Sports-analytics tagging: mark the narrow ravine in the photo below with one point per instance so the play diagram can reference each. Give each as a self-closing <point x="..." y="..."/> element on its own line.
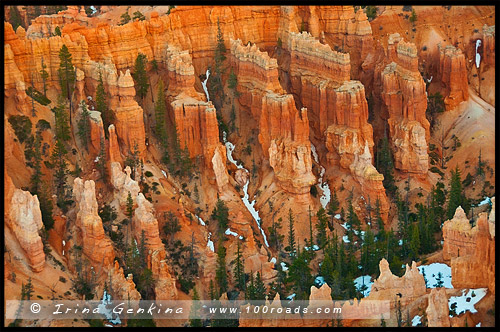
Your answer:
<point x="249" y="205"/>
<point x="229" y="151"/>
<point x="325" y="188"/>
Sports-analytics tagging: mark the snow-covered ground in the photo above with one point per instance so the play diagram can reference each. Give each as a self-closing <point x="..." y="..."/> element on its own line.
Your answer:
<point x="325" y="188"/>
<point x="249" y="205"/>
<point x="345" y="239"/>
<point x="461" y="301"/>
<point x="201" y="221"/>
<point x="478" y="56"/>
<point x="358" y="283"/>
<point x="431" y="273"/>
<point x="273" y="260"/>
<point x="283" y="266"/>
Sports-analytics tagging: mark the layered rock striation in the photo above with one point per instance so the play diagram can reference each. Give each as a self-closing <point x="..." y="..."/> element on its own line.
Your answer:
<point x="123" y="183"/>
<point x="437" y="310"/>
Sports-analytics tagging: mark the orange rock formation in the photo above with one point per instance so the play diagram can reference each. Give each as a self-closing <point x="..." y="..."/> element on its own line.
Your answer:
<point x="96" y="246"/>
<point x="453" y="76"/>
<point x="411" y="285"/>
<point x="23" y="217"/>
<point x="403" y="93"/>
<point x="437" y="311"/>
<point x="471" y="250"/>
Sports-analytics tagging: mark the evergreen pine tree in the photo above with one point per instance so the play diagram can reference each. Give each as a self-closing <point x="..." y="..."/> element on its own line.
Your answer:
<point x="140" y="75"/>
<point x="102" y="105"/>
<point x="101" y="163"/>
<point x="84" y="125"/>
<point x="61" y="170"/>
<point x="291" y="248"/>
<point x="260" y="288"/>
<point x="36" y="178"/>
<point x="321" y="224"/>
<point x="299" y="275"/>
<point x="386" y="166"/>
<point x="456" y="197"/>
<point x="195" y="307"/>
<point x="333" y="206"/>
<point x="67" y="73"/>
<point x="63" y="130"/>
<point x="239" y="273"/>
<point x="44" y="75"/>
<point x="220" y="214"/>
<point x="130" y="206"/>
<point x="220" y="273"/>
<point x="160" y="111"/>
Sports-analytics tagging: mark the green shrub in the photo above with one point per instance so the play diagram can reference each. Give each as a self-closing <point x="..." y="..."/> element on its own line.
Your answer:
<point x="148" y="174"/>
<point x="314" y="190"/>
<point x="42" y="125"/>
<point x="371" y="12"/>
<point x="37" y="96"/>
<point x="436" y="170"/>
<point x="22" y="127"/>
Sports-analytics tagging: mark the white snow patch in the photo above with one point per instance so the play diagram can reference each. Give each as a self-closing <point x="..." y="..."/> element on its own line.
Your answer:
<point x="241" y="237"/>
<point x="96" y="159"/>
<point x="431" y="273"/>
<point x="400" y="242"/>
<point x="204" y="83"/>
<point x="108" y="312"/>
<point x="478" y="324"/>
<point x="201" y="221"/>
<point x="229" y="232"/>
<point x="210" y="243"/>
<point x="290" y="297"/>
<point x="461" y="301"/>
<point x="63" y="252"/>
<point x="416" y="320"/>
<point x="164" y="173"/>
<point x="325" y="188"/>
<point x="345" y="239"/>
<point x="478" y="56"/>
<point x="366" y="280"/>
<point x="486" y="200"/>
<point x="249" y="205"/>
<point x="283" y="266"/>
<point x="319" y="281"/>
<point x="89" y="97"/>
<point x="273" y="260"/>
<point x="344" y="225"/>
<point x="337" y="216"/>
<point x="63" y="242"/>
<point x="315" y="247"/>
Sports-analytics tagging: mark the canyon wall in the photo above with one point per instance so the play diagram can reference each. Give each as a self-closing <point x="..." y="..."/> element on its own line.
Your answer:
<point x="283" y="130"/>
